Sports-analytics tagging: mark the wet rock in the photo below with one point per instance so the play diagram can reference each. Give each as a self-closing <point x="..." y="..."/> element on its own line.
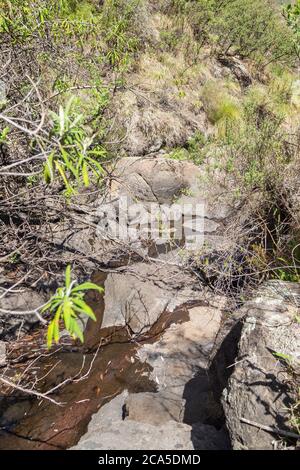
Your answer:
<point x="182" y="413"/>
<point x="258" y="389"/>
<point x="153" y="408"/>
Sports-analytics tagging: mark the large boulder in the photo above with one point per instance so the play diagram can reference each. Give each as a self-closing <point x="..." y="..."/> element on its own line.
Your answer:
<point x="154" y="179"/>
<point x="259" y="388"/>
<point x="138" y="296"/>
<point x="110" y="430"/>
<point x="180" y="363"/>
<point x="182" y="413"/>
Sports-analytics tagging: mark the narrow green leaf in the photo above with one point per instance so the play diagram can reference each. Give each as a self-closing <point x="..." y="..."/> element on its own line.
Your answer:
<point x="68" y="276"/>
<point x="67" y="313"/>
<point x="77" y="331"/>
<point x="85" y="174"/>
<point x="68" y="162"/>
<point x="63" y="175"/>
<point x="47" y="174"/>
<point x="85" y="308"/>
<point x="55" y="304"/>
<point x="46" y="307"/>
<point x="50" y="334"/>
<point x="56" y="330"/>
<point x="87" y="286"/>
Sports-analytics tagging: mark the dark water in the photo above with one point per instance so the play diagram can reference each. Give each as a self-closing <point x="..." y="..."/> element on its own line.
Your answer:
<point x="39" y="424"/>
<point x="31" y="423"/>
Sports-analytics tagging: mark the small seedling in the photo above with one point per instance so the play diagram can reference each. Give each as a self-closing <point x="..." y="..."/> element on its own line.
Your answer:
<point x="66" y="304"/>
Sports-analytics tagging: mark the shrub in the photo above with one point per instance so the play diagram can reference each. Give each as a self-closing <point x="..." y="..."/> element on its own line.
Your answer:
<point x="194" y="149"/>
<point x="292" y="15"/>
<point x="241" y="27"/>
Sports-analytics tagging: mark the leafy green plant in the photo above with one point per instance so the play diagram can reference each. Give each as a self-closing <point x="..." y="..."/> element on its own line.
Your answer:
<point x="23" y="20"/>
<point x="193" y="150"/>
<point x="4" y="134"/>
<point x="67" y="303"/>
<point x="76" y="156"/>
<point x="120" y="37"/>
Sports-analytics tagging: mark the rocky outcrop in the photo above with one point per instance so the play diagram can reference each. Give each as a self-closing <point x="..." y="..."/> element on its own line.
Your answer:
<point x="191" y="363"/>
<point x="259" y="388"/>
<point x="180" y="362"/>
<point x="155" y="179"/>
<point x="91" y="223"/>
<point x="138" y="296"/>
<point x="182" y="413"/>
<point x="108" y="430"/>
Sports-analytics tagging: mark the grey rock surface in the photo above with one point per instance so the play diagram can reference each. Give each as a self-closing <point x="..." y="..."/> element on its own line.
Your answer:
<point x="109" y="431"/>
<point x="258" y="389"/>
<point x="180" y="361"/>
<point x="2" y="353"/>
<point x="12" y="324"/>
<point x="138" y="296"/>
<point x="144" y="181"/>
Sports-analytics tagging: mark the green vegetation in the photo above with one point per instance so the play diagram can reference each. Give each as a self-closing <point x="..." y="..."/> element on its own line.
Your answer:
<point x="85" y="82"/>
<point x="292" y="15"/>
<point x="221" y="107"/>
<point x="239" y="27"/>
<point x="194" y="149"/>
<point x="66" y="304"/>
<point x="291" y="365"/>
<point x="77" y="154"/>
<point x="64" y="110"/>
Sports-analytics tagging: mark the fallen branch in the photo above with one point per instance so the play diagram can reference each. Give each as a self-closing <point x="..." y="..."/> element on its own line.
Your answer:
<point x="280" y="432"/>
<point x="28" y="312"/>
<point x="29" y="391"/>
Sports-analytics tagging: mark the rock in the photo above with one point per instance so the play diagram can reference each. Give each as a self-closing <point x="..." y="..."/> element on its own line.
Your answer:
<point x="182" y="413"/>
<point x="180" y="362"/>
<point x="157" y="182"/>
<point x="149" y="128"/>
<point x="238" y="68"/>
<point x="110" y="431"/>
<point x="258" y="388"/>
<point x="174" y="184"/>
<point x="2" y="353"/>
<point x="156" y="179"/>
<point x="154" y="408"/>
<point x="141" y="294"/>
<point x="11" y="325"/>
